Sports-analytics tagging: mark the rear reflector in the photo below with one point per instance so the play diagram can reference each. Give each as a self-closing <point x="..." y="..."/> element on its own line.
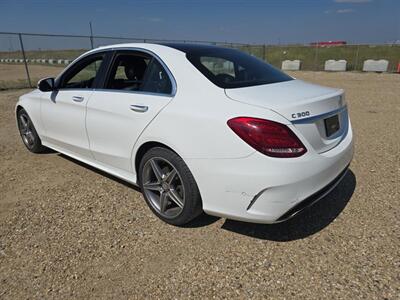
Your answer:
<point x="268" y="137"/>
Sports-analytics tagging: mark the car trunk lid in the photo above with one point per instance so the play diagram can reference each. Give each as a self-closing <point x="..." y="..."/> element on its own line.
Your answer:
<point x="317" y="112"/>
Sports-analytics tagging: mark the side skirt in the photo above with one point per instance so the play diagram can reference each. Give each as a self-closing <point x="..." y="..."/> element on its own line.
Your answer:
<point x="121" y="174"/>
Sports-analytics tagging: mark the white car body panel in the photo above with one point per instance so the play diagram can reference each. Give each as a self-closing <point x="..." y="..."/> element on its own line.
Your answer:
<point x="64" y="120"/>
<point x="127" y="176"/>
<point x="234" y="180"/>
<point x="31" y="102"/>
<point x="289" y="97"/>
<point x="113" y="127"/>
<point x="239" y="181"/>
<point x="294" y="97"/>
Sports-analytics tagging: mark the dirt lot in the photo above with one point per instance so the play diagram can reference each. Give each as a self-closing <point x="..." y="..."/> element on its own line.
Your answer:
<point x="14" y="75"/>
<point x="68" y="231"/>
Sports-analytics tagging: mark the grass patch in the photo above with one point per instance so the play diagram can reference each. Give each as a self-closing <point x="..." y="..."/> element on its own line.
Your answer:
<point x="312" y="58"/>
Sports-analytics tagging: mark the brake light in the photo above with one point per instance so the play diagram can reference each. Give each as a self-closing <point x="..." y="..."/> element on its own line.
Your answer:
<point x="268" y="137"/>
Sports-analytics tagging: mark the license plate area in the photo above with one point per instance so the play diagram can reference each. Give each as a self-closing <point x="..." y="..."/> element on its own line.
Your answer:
<point x="331" y="125"/>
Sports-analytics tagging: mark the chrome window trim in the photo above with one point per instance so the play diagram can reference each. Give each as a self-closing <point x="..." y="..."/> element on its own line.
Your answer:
<point x="76" y="89"/>
<point x="79" y="58"/>
<point x="134" y="92"/>
<point x="118" y="91"/>
<point x="169" y="73"/>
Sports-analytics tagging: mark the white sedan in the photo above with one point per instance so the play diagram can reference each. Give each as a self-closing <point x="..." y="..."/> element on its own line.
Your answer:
<point x="198" y="128"/>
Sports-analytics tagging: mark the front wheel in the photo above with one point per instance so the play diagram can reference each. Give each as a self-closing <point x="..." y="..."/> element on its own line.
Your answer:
<point x="169" y="187"/>
<point x="28" y="132"/>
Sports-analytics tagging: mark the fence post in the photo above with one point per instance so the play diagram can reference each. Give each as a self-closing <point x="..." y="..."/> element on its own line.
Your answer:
<point x="316" y="57"/>
<point x="23" y="55"/>
<point x="356" y="60"/>
<point x="264" y="53"/>
<point x="91" y="35"/>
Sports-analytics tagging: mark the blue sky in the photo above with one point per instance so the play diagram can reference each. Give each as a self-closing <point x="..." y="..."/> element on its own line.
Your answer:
<point x="252" y="21"/>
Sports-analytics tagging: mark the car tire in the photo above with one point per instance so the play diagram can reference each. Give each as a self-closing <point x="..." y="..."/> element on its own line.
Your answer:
<point x="28" y="133"/>
<point x="169" y="187"/>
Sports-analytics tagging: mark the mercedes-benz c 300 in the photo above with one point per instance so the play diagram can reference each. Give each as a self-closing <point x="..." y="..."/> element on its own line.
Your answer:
<point x="198" y="128"/>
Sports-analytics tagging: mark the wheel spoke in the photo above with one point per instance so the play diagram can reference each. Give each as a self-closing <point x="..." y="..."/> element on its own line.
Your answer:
<point x="174" y="196"/>
<point x="24" y="122"/>
<point x="170" y="176"/>
<point x="156" y="170"/>
<point x="152" y="186"/>
<point x="30" y="137"/>
<point x="163" y="201"/>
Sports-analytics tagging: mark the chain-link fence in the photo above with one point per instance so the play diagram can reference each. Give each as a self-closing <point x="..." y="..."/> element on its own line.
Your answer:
<point x="27" y="57"/>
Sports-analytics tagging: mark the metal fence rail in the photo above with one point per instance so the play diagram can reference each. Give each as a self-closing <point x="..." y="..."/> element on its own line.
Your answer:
<point x="27" y="57"/>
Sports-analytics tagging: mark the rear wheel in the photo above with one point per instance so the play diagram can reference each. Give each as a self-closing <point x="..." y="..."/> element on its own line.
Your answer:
<point x="168" y="186"/>
<point x="28" y="132"/>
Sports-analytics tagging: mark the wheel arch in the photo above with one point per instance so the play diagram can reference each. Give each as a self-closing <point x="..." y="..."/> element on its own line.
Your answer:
<point x="31" y="103"/>
<point x="18" y="108"/>
<point x="142" y="151"/>
<point x="146" y="146"/>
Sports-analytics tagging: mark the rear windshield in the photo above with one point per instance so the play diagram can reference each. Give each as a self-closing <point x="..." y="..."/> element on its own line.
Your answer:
<point x="230" y="68"/>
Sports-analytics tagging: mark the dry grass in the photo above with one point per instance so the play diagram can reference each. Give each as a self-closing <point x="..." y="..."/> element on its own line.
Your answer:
<point x="14" y="75"/>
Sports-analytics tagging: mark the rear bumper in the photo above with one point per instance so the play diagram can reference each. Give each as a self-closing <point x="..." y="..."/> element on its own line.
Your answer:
<point x="313" y="198"/>
<point x="262" y="189"/>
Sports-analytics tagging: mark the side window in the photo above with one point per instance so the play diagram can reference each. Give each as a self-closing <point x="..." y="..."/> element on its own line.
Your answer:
<point x="127" y="72"/>
<point x="138" y="72"/>
<point x="217" y="65"/>
<point x="157" y="79"/>
<point x="84" y="74"/>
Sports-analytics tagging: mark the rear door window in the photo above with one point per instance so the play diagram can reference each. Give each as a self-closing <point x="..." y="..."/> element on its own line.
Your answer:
<point x="157" y="80"/>
<point x="128" y="72"/>
<point x="140" y="72"/>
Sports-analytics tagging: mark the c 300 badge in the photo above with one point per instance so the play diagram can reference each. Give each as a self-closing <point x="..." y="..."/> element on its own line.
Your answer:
<point x="301" y="114"/>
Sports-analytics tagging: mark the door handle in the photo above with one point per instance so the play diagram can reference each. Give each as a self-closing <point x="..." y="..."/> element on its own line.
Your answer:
<point x="139" y="108"/>
<point x="77" y="98"/>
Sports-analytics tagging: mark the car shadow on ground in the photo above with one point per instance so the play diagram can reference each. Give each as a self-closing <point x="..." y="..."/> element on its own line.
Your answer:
<point x="100" y="172"/>
<point x="46" y="151"/>
<point x="312" y="220"/>
<point x="201" y="221"/>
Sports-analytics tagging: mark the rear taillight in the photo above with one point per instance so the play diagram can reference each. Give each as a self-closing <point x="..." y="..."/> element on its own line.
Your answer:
<point x="268" y="137"/>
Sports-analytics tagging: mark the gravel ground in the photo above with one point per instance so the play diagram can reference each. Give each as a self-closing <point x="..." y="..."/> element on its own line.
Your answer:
<point x="69" y="231"/>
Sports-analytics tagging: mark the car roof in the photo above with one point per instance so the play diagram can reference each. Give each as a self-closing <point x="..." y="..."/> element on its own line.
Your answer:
<point x="183" y="47"/>
<point x="127" y="45"/>
<point x="187" y="48"/>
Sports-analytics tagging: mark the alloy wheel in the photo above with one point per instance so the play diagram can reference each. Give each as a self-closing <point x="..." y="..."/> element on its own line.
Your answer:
<point x="25" y="128"/>
<point x="163" y="187"/>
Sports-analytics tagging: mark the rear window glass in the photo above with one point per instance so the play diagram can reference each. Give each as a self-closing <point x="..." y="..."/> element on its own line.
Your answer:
<point x="230" y="68"/>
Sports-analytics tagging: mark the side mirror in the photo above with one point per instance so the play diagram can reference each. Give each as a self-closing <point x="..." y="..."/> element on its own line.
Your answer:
<point x="46" y="84"/>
